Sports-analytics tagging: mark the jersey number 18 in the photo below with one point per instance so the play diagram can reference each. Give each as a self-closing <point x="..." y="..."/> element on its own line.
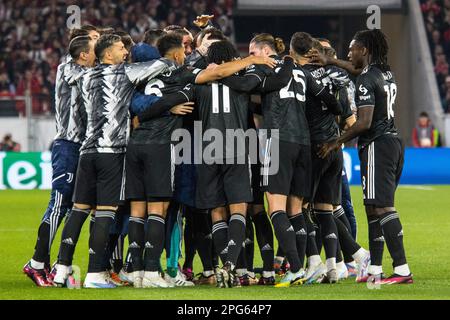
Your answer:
<point x="391" y="93"/>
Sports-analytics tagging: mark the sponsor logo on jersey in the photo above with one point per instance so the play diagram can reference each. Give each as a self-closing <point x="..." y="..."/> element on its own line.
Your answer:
<point x="363" y="98"/>
<point x="363" y="89"/>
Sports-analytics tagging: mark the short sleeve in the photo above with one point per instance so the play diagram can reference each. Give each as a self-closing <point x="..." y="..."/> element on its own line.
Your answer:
<point x="189" y="92"/>
<point x="365" y="93"/>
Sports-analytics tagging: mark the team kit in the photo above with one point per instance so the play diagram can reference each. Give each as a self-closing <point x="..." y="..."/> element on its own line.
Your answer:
<point x="116" y="163"/>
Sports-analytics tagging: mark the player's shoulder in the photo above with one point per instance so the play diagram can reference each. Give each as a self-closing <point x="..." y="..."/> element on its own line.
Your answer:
<point x="337" y="74"/>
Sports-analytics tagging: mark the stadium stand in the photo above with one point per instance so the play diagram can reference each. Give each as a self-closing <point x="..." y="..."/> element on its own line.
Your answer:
<point x="436" y="15"/>
<point x="32" y="44"/>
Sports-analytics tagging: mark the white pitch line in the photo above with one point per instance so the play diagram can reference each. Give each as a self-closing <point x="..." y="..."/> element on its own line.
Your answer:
<point x="16" y="230"/>
<point x="414" y="187"/>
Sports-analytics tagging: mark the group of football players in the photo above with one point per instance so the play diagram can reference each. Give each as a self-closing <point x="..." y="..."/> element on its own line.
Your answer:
<point x="121" y="113"/>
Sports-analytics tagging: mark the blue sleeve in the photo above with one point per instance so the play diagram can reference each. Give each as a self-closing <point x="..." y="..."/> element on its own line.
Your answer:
<point x="141" y="102"/>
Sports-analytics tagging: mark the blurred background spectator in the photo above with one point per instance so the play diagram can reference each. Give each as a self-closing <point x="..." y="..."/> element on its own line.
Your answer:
<point x="437" y="22"/>
<point x="425" y="135"/>
<point x="9" y="145"/>
<point x="34" y="35"/>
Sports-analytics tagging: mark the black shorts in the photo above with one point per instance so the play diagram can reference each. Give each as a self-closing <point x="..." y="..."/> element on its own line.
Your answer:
<point x="219" y="185"/>
<point x="326" y="177"/>
<point x="381" y="169"/>
<point x="150" y="172"/>
<point x="100" y="179"/>
<point x="294" y="171"/>
<point x="258" y="193"/>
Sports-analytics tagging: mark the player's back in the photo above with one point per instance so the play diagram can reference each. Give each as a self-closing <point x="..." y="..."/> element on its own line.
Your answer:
<point x="159" y="129"/>
<point x="378" y="88"/>
<point x="285" y="109"/>
<point x="221" y="108"/>
<point x="322" y="123"/>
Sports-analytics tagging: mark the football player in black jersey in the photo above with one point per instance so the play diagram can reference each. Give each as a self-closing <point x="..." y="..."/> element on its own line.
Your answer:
<point x="150" y="161"/>
<point x="286" y="125"/>
<point x="380" y="151"/>
<point x="326" y="173"/>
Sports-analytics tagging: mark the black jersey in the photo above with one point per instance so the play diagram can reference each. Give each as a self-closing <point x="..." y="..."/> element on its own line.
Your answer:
<point x="322" y="122"/>
<point x="106" y="91"/>
<point x="285" y="109"/>
<point x="159" y="130"/>
<point x="224" y="109"/>
<point x="378" y="89"/>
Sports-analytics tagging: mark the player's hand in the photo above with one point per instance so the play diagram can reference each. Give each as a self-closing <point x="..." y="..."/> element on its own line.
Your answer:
<point x="135" y="122"/>
<point x="317" y="57"/>
<point x="203" y="48"/>
<point x="202" y="20"/>
<point x="182" y="109"/>
<point x="326" y="148"/>
<point x="263" y="60"/>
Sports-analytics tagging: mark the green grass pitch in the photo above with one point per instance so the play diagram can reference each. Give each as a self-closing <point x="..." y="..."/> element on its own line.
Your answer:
<point x="425" y="216"/>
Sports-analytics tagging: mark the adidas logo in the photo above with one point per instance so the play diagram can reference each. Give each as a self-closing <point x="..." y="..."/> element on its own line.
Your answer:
<point x="224" y="251"/>
<point x="379" y="239"/>
<point x="148" y="245"/>
<point x="291" y="228"/>
<point x="312" y="234"/>
<point x="331" y="236"/>
<point x="209" y="236"/>
<point x="91" y="251"/>
<point x="248" y="241"/>
<point x="267" y="247"/>
<point x="400" y="233"/>
<point x="68" y="241"/>
<point x="231" y="243"/>
<point x="134" y="245"/>
<point x="301" y="232"/>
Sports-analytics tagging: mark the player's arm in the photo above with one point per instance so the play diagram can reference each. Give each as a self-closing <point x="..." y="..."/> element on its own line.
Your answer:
<point x="142" y="72"/>
<point x="169" y="101"/>
<point x="141" y="102"/>
<point x="253" y="77"/>
<point x="347" y="118"/>
<point x="229" y="68"/>
<point x="321" y="92"/>
<point x="279" y="80"/>
<point x="365" y="102"/>
<point x="317" y="57"/>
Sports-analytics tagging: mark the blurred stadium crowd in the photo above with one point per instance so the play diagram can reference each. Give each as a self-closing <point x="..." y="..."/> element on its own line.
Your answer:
<point x="33" y="40"/>
<point x="437" y="22"/>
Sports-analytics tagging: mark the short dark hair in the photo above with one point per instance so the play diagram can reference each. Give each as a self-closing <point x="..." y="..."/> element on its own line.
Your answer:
<point x="104" y="42"/>
<point x="151" y="36"/>
<point x="126" y="39"/>
<point x="89" y="27"/>
<point x="222" y="51"/>
<point x="177" y="30"/>
<point x="77" y="33"/>
<point x="324" y="40"/>
<point x="78" y="45"/>
<point x="106" y="30"/>
<point x="168" y="42"/>
<point x="214" y="34"/>
<point x="301" y="43"/>
<point x="423" y="114"/>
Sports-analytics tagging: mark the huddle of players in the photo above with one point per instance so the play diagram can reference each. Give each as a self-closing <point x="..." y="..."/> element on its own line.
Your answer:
<point x="297" y="99"/>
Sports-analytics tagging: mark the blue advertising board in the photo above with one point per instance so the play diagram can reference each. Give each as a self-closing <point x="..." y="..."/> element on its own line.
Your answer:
<point x="422" y="166"/>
